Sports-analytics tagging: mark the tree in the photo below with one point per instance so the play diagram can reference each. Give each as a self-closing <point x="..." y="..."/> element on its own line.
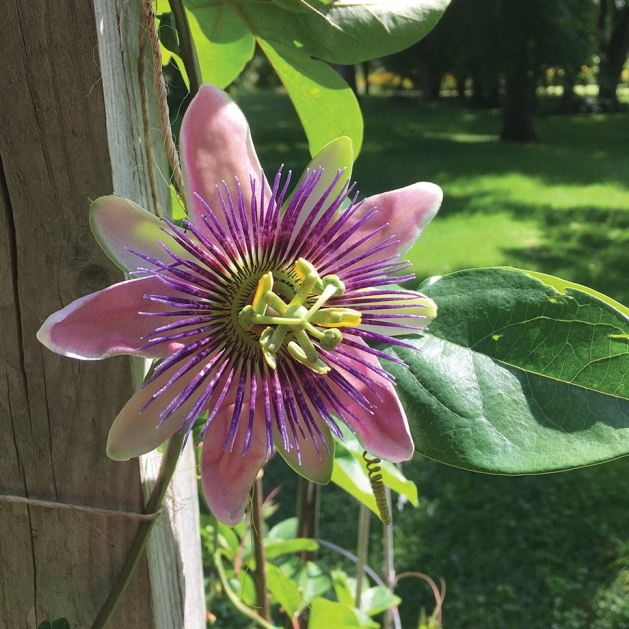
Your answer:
<point x="613" y="27"/>
<point x="508" y="44"/>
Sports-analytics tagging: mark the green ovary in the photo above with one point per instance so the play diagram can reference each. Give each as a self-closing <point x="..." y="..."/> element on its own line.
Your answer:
<point x="294" y="324"/>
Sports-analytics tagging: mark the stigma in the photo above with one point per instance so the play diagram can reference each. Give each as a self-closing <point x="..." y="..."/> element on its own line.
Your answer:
<point x="295" y="324"/>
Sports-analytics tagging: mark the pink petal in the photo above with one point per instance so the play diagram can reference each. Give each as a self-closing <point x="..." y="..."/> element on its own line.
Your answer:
<point x="108" y="323"/>
<point x="133" y="432"/>
<point x="216" y="146"/>
<point x="121" y="227"/>
<point x="227" y="474"/>
<point x="334" y="156"/>
<point x="407" y="212"/>
<point x="315" y="465"/>
<point x="385" y="433"/>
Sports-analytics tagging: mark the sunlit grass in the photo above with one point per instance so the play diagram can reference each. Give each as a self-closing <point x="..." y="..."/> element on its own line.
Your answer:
<point x="503" y="203"/>
<point x="460" y="242"/>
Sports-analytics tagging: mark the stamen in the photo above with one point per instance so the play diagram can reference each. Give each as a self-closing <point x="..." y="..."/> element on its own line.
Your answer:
<point x="295" y="321"/>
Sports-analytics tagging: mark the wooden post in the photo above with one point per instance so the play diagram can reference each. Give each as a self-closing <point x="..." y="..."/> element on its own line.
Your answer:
<point x="70" y="131"/>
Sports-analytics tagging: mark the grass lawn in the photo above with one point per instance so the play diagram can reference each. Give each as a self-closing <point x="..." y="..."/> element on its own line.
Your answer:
<point x="524" y="553"/>
<point x="560" y="206"/>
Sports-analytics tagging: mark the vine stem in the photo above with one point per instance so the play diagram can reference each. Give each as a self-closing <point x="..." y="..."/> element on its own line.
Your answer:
<point x="232" y="596"/>
<point x="391" y="615"/>
<point x="257" y="532"/>
<point x="159" y="87"/>
<point x="167" y="469"/>
<point x="188" y="52"/>
<point x="362" y="550"/>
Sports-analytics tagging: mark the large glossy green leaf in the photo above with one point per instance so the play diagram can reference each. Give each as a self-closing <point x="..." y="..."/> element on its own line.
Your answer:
<point x="516" y="377"/>
<point x="325" y="104"/>
<point x="343" y="31"/>
<point x="224" y="44"/>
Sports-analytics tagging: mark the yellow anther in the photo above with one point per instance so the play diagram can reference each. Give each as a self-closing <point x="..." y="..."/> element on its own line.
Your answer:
<point x="265" y="285"/>
<point x="303" y="268"/>
<point x="337" y="318"/>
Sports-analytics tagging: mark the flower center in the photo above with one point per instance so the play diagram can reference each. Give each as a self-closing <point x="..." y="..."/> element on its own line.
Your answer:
<point x="294" y="323"/>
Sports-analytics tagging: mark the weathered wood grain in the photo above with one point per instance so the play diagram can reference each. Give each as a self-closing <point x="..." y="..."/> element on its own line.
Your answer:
<point x="57" y="152"/>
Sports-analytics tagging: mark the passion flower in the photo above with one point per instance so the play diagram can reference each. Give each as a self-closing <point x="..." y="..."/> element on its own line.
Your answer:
<point x="260" y="307"/>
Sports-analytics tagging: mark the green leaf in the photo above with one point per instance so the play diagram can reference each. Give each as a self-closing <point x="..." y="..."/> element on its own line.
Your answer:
<point x="348" y="475"/>
<point x="325" y="104"/>
<point x="391" y="476"/>
<point x="223" y="42"/>
<point x="310" y="579"/>
<point x="286" y="529"/>
<point x="277" y="547"/>
<point x="351" y="32"/>
<point x="325" y="614"/>
<point x="312" y="582"/>
<point x="342" y="31"/>
<point x="244" y="586"/>
<point x="227" y="538"/>
<point x="283" y="590"/>
<point x="342" y="588"/>
<point x="515" y="377"/>
<point x="168" y="32"/>
<point x="377" y="599"/>
<point x="563" y="285"/>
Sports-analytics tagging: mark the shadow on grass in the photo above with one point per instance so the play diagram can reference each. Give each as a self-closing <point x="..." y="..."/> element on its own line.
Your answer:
<point x="586" y="245"/>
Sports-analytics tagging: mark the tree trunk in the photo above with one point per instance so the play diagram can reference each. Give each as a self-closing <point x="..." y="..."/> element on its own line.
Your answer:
<point x="69" y="131"/>
<point x="566" y="102"/>
<point x="432" y="85"/>
<point x="485" y="95"/>
<point x="613" y="55"/>
<point x="460" y="86"/>
<point x="516" y="38"/>
<point x="348" y="72"/>
<point x="517" y="121"/>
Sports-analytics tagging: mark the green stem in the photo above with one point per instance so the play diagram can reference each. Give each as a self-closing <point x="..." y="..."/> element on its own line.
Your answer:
<point x="362" y="550"/>
<point x="391" y="615"/>
<point x="257" y="531"/>
<point x="167" y="469"/>
<point x="308" y="499"/>
<point x="231" y="595"/>
<point x="187" y="50"/>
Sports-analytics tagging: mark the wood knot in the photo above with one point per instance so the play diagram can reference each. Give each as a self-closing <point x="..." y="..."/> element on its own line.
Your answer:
<point x="92" y="278"/>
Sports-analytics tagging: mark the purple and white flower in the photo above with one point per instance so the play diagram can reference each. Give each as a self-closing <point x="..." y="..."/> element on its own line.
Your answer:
<point x="260" y="307"/>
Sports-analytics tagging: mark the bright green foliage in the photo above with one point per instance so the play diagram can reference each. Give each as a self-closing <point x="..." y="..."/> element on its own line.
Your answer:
<point x="311" y="33"/>
<point x="515" y="377"/>
<point x="373" y="600"/>
<point x="325" y="613"/>
<point x="326" y="106"/>
<point x="350" y="473"/>
<point x="224" y="44"/>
